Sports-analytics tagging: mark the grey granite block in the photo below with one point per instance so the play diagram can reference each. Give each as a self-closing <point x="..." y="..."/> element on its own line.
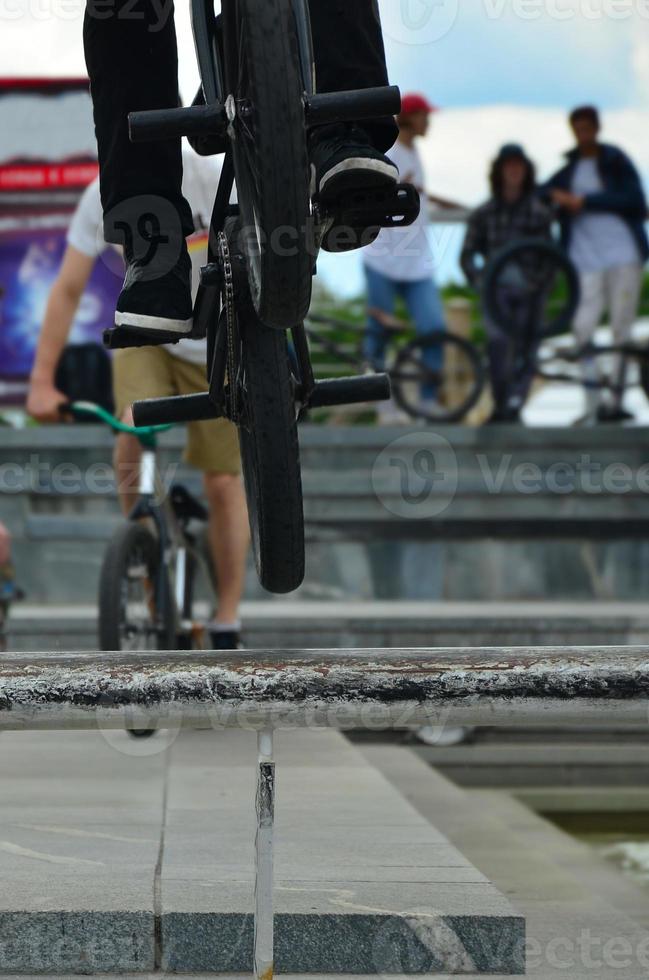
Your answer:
<point x="67" y="942"/>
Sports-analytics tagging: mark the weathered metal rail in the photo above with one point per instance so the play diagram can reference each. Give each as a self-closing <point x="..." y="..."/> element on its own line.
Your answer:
<point x="340" y="689"/>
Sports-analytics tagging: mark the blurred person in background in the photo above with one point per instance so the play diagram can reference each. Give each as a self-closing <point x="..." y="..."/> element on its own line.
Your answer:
<point x="155" y="372"/>
<point x="602" y="209"/>
<point x="8" y="588"/>
<point x="400" y="264"/>
<point x="514" y="211"/>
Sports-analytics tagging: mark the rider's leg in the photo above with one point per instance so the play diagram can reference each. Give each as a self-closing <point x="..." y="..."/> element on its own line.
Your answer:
<point x="499" y="354"/>
<point x="381" y="298"/>
<point x="229" y="537"/>
<point x="587" y="319"/>
<point x="213" y="448"/>
<point x="127" y="455"/>
<point x="624" y="290"/>
<point x="425" y="304"/>
<point x="140" y="373"/>
<point x="132" y="62"/>
<point x="349" y="54"/>
<point x="528" y="318"/>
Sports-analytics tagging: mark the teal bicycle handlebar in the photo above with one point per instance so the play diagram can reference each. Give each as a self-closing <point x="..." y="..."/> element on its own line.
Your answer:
<point x="146" y="434"/>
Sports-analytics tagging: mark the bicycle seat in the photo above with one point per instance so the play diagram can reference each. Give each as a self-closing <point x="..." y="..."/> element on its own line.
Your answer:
<point x="358" y="217"/>
<point x="186" y="506"/>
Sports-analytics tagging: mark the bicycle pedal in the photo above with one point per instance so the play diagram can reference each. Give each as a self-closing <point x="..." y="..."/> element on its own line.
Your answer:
<point x="122" y="338"/>
<point x="359" y="216"/>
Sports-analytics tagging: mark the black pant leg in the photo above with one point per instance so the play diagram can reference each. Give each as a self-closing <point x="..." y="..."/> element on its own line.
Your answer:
<point x="132" y="60"/>
<point x="349" y="54"/>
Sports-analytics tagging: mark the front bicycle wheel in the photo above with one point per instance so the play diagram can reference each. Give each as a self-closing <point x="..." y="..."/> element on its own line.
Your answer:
<point x="133" y="615"/>
<point x="270" y="455"/>
<point x="531" y="287"/>
<point x="438" y="378"/>
<point x="269" y="143"/>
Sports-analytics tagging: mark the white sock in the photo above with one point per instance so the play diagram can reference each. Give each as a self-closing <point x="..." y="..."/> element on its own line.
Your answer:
<point x="215" y="627"/>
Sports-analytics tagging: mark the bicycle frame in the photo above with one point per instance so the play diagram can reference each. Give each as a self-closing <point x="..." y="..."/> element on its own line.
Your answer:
<point x="175" y="549"/>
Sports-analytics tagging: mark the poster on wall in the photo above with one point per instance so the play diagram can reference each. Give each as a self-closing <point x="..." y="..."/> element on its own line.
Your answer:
<point x="47" y="158"/>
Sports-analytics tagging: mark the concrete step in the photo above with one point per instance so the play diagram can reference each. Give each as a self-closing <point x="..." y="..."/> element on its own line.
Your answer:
<point x="581" y="911"/>
<point x="494" y="525"/>
<point x="303" y="624"/>
<point x="602" y="764"/>
<point x="108" y="843"/>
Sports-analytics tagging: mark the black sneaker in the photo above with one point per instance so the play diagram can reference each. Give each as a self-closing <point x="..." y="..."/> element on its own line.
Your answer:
<point x="226" y="640"/>
<point x="154" y="306"/>
<point x="608" y="415"/>
<point x="343" y="159"/>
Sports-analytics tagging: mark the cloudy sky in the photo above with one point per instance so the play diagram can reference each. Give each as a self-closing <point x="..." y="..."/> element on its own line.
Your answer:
<point x="499" y="69"/>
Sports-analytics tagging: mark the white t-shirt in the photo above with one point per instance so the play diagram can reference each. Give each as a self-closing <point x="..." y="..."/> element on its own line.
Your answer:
<point x="404" y="254"/>
<point x="200" y="179"/>
<point x="599" y="240"/>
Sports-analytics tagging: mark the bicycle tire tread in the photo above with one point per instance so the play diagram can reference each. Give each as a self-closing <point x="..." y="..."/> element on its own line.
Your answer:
<point x="282" y="164"/>
<point x="271" y="458"/>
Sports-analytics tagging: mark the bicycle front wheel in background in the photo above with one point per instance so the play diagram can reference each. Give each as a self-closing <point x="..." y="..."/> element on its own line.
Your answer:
<point x="270" y="456"/>
<point x="269" y="144"/>
<point x="130" y="617"/>
<point x="438" y="378"/>
<point x="531" y="286"/>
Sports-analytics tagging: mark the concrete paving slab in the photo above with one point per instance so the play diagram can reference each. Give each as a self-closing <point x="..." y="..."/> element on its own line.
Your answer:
<point x="363" y="883"/>
<point x="80" y="824"/>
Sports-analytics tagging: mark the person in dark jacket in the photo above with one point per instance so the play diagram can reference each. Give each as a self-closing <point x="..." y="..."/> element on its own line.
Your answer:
<point x="602" y="210"/>
<point x="514" y="211"/>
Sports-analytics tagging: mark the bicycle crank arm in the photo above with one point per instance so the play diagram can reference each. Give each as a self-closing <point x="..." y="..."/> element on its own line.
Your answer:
<point x="172" y="411"/>
<point x="354" y="106"/>
<point x="349" y="391"/>
<point x="166" y="124"/>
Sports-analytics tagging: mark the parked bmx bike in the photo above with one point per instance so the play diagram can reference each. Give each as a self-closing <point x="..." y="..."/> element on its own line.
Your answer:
<point x="154" y="566"/>
<point x="449" y="367"/>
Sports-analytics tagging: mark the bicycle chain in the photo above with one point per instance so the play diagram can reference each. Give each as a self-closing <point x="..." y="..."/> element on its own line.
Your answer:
<point x="223" y="250"/>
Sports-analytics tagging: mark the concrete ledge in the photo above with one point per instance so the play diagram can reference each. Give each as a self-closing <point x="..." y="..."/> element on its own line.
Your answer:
<point x="99" y="860"/>
<point x="305" y="624"/>
<point x="363" y="884"/>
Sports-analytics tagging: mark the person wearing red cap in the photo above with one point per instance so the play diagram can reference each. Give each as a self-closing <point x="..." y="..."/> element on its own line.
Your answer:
<point x="400" y="263"/>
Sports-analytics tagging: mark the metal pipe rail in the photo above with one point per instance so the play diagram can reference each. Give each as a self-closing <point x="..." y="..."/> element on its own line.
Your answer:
<point x="341" y="689"/>
<point x="266" y="690"/>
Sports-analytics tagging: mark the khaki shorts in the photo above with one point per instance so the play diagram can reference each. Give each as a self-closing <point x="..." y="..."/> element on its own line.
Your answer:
<point x="152" y="372"/>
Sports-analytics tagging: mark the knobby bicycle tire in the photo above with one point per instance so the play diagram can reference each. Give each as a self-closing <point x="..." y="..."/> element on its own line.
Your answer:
<point x="270" y="456"/>
<point x="129" y="540"/>
<point x="271" y="163"/>
<point x="556" y="260"/>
